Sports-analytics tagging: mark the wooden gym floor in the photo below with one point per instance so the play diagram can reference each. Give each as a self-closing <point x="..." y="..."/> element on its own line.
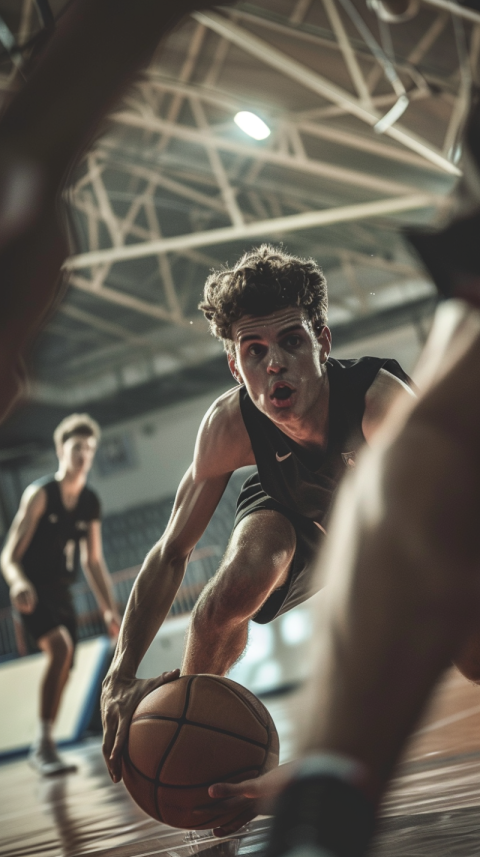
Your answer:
<point x="433" y="807"/>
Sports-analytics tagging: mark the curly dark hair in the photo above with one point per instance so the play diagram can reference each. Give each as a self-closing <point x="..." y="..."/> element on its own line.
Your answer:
<point x="262" y="281"/>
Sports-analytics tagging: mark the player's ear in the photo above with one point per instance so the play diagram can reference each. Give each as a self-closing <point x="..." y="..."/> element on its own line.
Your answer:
<point x="325" y="342"/>
<point x="232" y="365"/>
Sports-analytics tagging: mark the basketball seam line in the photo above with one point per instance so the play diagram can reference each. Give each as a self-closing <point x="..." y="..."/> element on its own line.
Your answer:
<point x="184" y="722"/>
<point x="246" y="701"/>
<point x="269" y="722"/>
<point x="163" y="785"/>
<point x="139" y="772"/>
<point x="167" y="751"/>
<point x="249" y="702"/>
<point x="209" y="782"/>
<point x="267" y="726"/>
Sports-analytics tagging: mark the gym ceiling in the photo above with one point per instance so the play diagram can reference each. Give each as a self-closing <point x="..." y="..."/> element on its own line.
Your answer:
<point x="172" y="188"/>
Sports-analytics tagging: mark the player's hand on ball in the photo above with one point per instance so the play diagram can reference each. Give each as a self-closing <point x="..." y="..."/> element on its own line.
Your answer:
<point x="120" y="697"/>
<point x="23" y="596"/>
<point x="251" y="797"/>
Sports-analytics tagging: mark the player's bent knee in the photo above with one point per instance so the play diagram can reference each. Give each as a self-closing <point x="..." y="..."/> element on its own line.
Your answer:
<point x="58" y="644"/>
<point x="230" y="600"/>
<point x="257" y="561"/>
<point x="215" y="609"/>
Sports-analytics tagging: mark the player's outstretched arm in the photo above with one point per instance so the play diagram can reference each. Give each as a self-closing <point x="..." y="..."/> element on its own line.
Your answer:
<point x="222" y="446"/>
<point x="32" y="506"/>
<point x="149" y="603"/>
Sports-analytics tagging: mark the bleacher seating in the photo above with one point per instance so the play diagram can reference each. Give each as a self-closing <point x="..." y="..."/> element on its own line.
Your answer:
<point x="129" y="535"/>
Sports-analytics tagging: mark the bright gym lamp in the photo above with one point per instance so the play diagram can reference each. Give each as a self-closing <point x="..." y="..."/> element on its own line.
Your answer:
<point x="252" y="125"/>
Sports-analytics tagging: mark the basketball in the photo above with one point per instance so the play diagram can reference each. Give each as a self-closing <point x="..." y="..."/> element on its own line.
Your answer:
<point x="189" y="734"/>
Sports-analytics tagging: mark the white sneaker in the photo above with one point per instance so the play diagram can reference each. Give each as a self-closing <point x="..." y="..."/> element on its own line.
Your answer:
<point x="44" y="759"/>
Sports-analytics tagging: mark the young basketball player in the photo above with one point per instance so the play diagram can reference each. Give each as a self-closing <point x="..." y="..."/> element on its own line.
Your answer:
<point x="403" y="563"/>
<point x="297" y="415"/>
<point x="58" y="519"/>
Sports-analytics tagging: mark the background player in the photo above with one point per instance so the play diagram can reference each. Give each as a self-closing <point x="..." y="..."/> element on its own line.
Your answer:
<point x="58" y="519"/>
<point x="300" y="417"/>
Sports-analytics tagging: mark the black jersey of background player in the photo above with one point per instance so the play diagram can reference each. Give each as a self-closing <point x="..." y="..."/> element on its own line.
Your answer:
<point x="302" y="480"/>
<point x="52" y="556"/>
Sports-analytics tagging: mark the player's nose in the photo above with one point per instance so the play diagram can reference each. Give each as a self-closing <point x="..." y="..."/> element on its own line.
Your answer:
<point x="275" y="363"/>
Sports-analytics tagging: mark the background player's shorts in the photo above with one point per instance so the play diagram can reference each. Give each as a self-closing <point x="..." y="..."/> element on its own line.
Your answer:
<point x="54" y="608"/>
<point x="300" y="584"/>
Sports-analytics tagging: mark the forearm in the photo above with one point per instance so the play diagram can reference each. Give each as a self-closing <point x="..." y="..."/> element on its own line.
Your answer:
<point x="149" y="603"/>
<point x="101" y="584"/>
<point x="12" y="570"/>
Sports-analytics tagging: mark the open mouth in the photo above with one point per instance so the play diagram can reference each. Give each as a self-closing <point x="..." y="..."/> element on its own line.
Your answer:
<point x="281" y="393"/>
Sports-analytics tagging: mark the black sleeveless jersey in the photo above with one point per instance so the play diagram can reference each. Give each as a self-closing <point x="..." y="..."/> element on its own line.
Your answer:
<point x="53" y="555"/>
<point x="297" y="478"/>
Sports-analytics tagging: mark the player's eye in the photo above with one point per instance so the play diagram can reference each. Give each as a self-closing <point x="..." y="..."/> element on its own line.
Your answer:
<point x="255" y="349"/>
<point x="292" y="341"/>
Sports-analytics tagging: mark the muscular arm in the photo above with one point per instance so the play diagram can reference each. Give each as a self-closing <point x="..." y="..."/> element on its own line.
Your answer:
<point x="164" y="567"/>
<point x="222" y="446"/>
<point x="31" y="509"/>
<point x="379" y="398"/>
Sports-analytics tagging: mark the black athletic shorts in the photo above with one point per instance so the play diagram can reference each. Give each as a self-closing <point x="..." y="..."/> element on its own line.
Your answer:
<point x="54" y="607"/>
<point x="300" y="583"/>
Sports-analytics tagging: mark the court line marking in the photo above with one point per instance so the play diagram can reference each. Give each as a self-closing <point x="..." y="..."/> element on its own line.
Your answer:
<point x="445" y="721"/>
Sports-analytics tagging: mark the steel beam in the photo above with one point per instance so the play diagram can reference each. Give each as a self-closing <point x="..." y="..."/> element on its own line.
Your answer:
<point x="291" y="223"/>
<point x="356" y="74"/>
<point x="125" y="300"/>
<point x="317" y="83"/>
<point x="455" y="9"/>
<point x="329" y="171"/>
<point x="372" y="145"/>
<point x="218" y="169"/>
<point x="368" y="144"/>
<point x="102" y="324"/>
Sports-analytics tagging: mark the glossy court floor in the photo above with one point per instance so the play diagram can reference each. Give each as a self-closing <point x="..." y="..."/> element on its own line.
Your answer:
<point x="433" y="807"/>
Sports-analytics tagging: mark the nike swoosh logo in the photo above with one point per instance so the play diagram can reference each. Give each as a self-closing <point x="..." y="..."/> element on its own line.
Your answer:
<point x="282" y="457"/>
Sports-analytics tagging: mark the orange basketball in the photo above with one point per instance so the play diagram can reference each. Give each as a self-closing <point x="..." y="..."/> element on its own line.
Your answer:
<point x="189" y="734"/>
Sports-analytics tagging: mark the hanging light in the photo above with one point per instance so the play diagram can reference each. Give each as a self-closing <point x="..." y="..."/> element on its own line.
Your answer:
<point x="252" y="125"/>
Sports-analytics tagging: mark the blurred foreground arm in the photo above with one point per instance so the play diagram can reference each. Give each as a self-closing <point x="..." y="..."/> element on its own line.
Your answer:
<point x="93" y="55"/>
<point x="403" y="589"/>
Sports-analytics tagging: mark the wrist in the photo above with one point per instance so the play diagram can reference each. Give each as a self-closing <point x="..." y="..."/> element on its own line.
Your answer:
<point x="110" y="613"/>
<point x="121" y="671"/>
<point x="18" y="579"/>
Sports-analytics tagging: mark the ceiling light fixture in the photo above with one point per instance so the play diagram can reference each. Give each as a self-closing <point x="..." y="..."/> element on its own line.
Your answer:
<point x="252" y="125"/>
